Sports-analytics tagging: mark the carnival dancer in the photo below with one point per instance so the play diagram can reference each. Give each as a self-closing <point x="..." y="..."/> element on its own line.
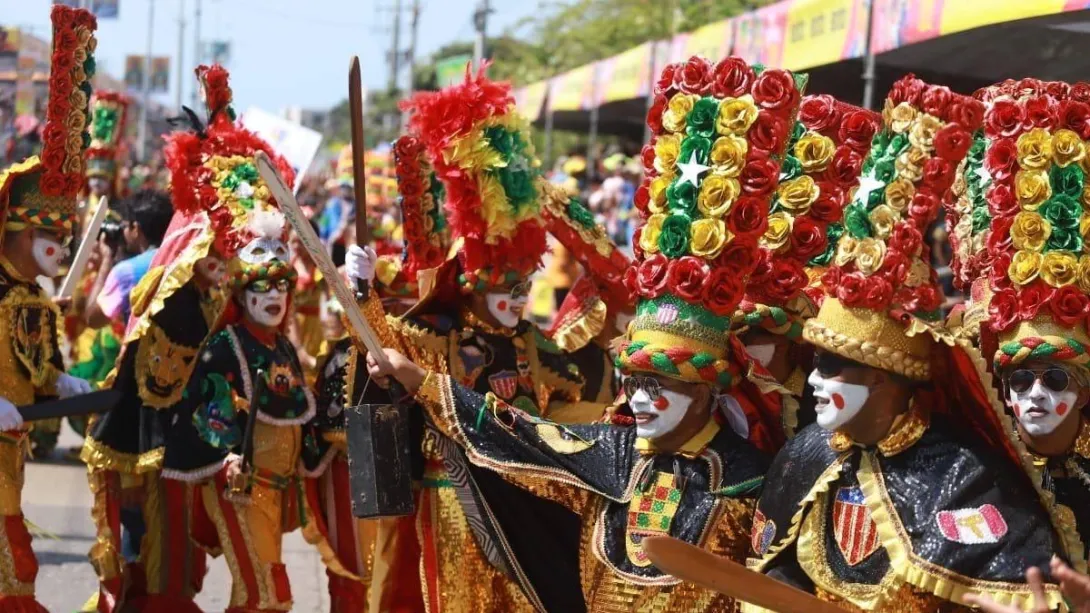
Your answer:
<point x="821" y="167"/>
<point x="679" y="470"/>
<point x="38" y="198"/>
<point x="843" y="515"/>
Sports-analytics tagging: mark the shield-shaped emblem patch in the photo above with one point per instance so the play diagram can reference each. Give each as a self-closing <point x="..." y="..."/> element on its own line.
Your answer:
<point x="504" y="384"/>
<point x="855" y="531"/>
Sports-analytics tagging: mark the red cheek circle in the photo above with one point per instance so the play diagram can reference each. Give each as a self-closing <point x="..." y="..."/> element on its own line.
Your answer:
<point x="502" y="305"/>
<point x="838" y="401"/>
<point x="49" y="251"/>
<point x="1017" y="410"/>
<point x="253" y="302"/>
<point x="1061" y="409"/>
<point x="661" y="403"/>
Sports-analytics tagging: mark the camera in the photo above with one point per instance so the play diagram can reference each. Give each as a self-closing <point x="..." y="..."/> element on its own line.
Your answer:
<point x="111" y="232"/>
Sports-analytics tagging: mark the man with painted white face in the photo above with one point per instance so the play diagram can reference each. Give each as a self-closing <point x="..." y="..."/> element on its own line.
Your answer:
<point x="884" y="504"/>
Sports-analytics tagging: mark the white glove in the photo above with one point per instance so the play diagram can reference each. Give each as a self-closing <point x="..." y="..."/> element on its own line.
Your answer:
<point x="359" y="263"/>
<point x="68" y="386"/>
<point x="10" y="419"/>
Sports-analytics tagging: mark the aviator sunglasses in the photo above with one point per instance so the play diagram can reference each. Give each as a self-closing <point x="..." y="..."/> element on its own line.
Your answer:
<point x="649" y="385"/>
<point x="1055" y="379"/>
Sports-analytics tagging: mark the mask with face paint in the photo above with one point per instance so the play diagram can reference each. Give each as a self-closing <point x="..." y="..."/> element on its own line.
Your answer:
<point x="269" y="307"/>
<point x="659" y="417"/>
<point x="762" y="353"/>
<point x="506" y="307"/>
<point x="48" y="254"/>
<point x="837" y="402"/>
<point x="1041" y="410"/>
<point x="211" y="270"/>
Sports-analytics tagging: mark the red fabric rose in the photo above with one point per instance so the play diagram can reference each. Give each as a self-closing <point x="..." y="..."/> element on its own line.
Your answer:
<point x="53" y="158"/>
<point x="1001" y="200"/>
<point x="740" y="255"/>
<point x="786" y="279"/>
<point x="760" y="176"/>
<point x="64" y="42"/>
<point x="1028" y="87"/>
<point x="953" y="142"/>
<point x="1081" y="92"/>
<point x="905" y="238"/>
<point x="997" y="272"/>
<point x="894" y="267"/>
<point x="642" y="199"/>
<point x="775" y="89"/>
<point x="647" y="155"/>
<point x="732" y="78"/>
<point x="829" y="206"/>
<point x="830" y="279"/>
<point x="654" y="114"/>
<point x="749" y="216"/>
<point x="1058" y="89"/>
<point x="878" y="294"/>
<point x="938" y="174"/>
<point x="62" y="63"/>
<point x="857" y="130"/>
<point x="1041" y="111"/>
<point x="936" y="99"/>
<point x="652" y="276"/>
<point x="723" y="291"/>
<point x="808" y="237"/>
<point x="819" y="113"/>
<point x="631" y="280"/>
<point x="637" y="251"/>
<point x="666" y="82"/>
<point x="1069" y="305"/>
<point x="768" y="133"/>
<point x="1003" y="310"/>
<point x="852" y="290"/>
<point x="1006" y="119"/>
<point x="1076" y="116"/>
<point x="923" y="209"/>
<point x="411" y="185"/>
<point x="1001" y="160"/>
<point x="686" y="276"/>
<point x="52" y="184"/>
<point x="844" y="169"/>
<point x="926" y="298"/>
<point x="1033" y="297"/>
<point x="966" y="112"/>
<point x="695" y="76"/>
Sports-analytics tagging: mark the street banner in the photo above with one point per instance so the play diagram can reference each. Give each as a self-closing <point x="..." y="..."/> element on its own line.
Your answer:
<point x="626" y="76"/>
<point x="296" y="143"/>
<point x="218" y="52"/>
<point x="529" y="99"/>
<point x="712" y="41"/>
<point x="103" y="9"/>
<point x="759" y="35"/>
<point x="134" y="71"/>
<point x="573" y="90"/>
<point x="160" y="74"/>
<point x="820" y="32"/>
<point x="9" y="40"/>
<point x="451" y="70"/>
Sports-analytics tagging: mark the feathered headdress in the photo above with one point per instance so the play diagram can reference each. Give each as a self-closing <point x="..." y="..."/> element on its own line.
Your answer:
<point x="482" y="154"/>
<point x="41" y="192"/>
<point x="881" y="292"/>
<point x="821" y="168"/>
<point x="109" y="112"/>
<point x="704" y="206"/>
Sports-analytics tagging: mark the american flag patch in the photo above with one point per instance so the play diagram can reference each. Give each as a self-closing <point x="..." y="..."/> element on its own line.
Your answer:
<point x="856" y="533"/>
<point x="764" y="530"/>
<point x="504" y="384"/>
<point x="666" y="314"/>
<point x="973" y="526"/>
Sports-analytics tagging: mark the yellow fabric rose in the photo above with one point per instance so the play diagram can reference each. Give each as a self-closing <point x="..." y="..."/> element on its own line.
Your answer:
<point x="1030" y="231"/>
<point x="1032" y="188"/>
<point x="736" y="115"/>
<point x="667" y="147"/>
<point x="729" y="155"/>
<point x="1024" y="267"/>
<point x="899" y="194"/>
<point x="778" y="234"/>
<point x="845" y="250"/>
<point x="1059" y="268"/>
<point x="717" y="195"/>
<point x="814" y="151"/>
<point x="869" y="255"/>
<point x="797" y="195"/>
<point x="657" y="191"/>
<point x="882" y="219"/>
<point x="1035" y="150"/>
<point x="919" y="272"/>
<point x="1086" y="197"/>
<point x="708" y="237"/>
<point x="922" y="133"/>
<point x="901" y="117"/>
<point x="909" y="164"/>
<point x="1084" y="274"/>
<point x="649" y="238"/>
<point x="677" y="111"/>
<point x="1067" y="148"/>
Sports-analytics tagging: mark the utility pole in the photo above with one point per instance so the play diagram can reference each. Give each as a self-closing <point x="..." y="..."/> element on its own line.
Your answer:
<point x="198" y="51"/>
<point x="395" y="48"/>
<point x="180" y="62"/>
<point x="143" y="134"/>
<point x="414" y="25"/>
<point x="480" y="22"/>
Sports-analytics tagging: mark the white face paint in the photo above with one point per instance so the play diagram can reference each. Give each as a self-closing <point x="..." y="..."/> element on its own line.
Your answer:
<point x="763" y="353"/>
<point x="837" y="402"/>
<point x="267" y="309"/>
<point x="48" y="255"/>
<point x="660" y="417"/>
<point x="1041" y="410"/>
<point x="506" y="310"/>
<point x="211" y="269"/>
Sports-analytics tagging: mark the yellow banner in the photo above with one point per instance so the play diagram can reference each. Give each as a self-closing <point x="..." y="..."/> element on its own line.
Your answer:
<point x="959" y="15"/>
<point x="573" y="90"/>
<point x="712" y="41"/>
<point x="528" y="100"/>
<point x="820" y="32"/>
<point x="626" y="76"/>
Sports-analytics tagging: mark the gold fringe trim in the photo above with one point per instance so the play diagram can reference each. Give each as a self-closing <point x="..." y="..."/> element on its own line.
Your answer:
<point x="313" y="536"/>
<point x="928" y="576"/>
<point x="580" y="328"/>
<point x="99" y="456"/>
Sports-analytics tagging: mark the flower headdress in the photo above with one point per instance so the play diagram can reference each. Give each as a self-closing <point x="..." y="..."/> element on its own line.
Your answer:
<point x="483" y="155"/>
<point x="42" y="192"/>
<point x="109" y="111"/>
<point x="822" y="166"/>
<point x="719" y="135"/>
<point x="881" y="281"/>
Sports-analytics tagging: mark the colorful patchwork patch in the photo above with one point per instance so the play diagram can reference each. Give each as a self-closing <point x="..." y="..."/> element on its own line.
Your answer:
<point x="504" y="384"/>
<point x="855" y="531"/>
<point x="650" y="513"/>
<point x="764" y="530"/>
<point x="972" y="526"/>
<point x="474" y="360"/>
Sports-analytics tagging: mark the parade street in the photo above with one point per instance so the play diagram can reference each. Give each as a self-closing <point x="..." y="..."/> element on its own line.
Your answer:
<point x="57" y="501"/>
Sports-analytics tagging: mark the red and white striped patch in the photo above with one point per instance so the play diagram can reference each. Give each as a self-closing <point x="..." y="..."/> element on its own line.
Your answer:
<point x="855" y="531"/>
<point x="973" y="526"/>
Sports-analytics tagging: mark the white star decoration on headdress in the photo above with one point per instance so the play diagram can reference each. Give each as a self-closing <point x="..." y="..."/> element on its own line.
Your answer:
<point x="984" y="175"/>
<point x="867" y="184"/>
<point x="691" y="170"/>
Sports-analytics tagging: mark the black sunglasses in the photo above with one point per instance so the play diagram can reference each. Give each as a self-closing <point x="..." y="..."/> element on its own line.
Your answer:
<point x="1055" y="379"/>
<point x="831" y="365"/>
<point x="649" y="385"/>
<point x="264" y="286"/>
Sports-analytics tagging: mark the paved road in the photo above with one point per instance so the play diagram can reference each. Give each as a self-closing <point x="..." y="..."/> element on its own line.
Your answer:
<point x="57" y="500"/>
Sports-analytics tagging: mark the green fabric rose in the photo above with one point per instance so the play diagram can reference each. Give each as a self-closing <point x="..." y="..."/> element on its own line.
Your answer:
<point x="1067" y="181"/>
<point x="982" y="219"/>
<point x="1062" y="211"/>
<point x="884" y="171"/>
<point x="796" y="134"/>
<point x="856" y="221"/>
<point x="674" y="238"/>
<point x="579" y="214"/>
<point x="698" y="144"/>
<point x="701" y="120"/>
<point x="833" y="232"/>
<point x="1064" y="239"/>
<point x="682" y="197"/>
<point x="791" y="168"/>
<point x="897" y="146"/>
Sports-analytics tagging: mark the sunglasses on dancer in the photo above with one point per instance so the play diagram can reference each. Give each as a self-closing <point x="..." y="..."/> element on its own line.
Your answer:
<point x="1053" y="378"/>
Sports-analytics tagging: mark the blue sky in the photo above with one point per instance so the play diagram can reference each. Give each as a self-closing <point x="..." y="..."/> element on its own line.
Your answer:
<point x="284" y="52"/>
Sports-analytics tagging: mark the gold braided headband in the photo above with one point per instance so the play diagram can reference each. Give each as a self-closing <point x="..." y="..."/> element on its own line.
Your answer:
<point x="866" y="352"/>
